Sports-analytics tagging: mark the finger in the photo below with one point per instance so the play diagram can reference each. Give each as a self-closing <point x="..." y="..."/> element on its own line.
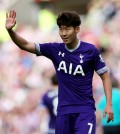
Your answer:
<point x="11" y="14"/>
<point x="104" y="115"/>
<point x="6" y="15"/>
<point x="14" y="14"/>
<point x="110" y="117"/>
<point x="108" y="120"/>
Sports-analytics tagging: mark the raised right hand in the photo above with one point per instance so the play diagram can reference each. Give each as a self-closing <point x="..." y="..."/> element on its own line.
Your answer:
<point x="10" y="19"/>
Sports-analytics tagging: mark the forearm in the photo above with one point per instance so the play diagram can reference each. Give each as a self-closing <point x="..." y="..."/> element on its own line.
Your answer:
<point x="107" y="88"/>
<point x="19" y="41"/>
<point x="108" y="92"/>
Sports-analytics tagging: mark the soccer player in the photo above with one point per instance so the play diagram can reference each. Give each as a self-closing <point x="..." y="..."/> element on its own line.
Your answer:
<point x="112" y="127"/>
<point x="48" y="105"/>
<point x="75" y="62"/>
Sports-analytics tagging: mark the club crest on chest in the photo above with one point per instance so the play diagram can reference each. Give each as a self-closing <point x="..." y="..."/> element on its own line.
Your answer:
<point x="81" y="58"/>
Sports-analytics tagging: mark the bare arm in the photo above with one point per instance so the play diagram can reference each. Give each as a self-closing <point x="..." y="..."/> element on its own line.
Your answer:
<point x="18" y="40"/>
<point x="44" y="115"/>
<point x="108" y="93"/>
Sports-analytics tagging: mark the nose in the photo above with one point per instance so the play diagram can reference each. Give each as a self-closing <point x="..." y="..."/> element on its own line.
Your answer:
<point x="64" y="33"/>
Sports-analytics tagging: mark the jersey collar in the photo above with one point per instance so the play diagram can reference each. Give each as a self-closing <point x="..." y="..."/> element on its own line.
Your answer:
<point x="71" y="50"/>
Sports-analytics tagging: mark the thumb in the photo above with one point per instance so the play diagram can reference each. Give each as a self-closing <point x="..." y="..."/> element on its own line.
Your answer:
<point x="104" y="114"/>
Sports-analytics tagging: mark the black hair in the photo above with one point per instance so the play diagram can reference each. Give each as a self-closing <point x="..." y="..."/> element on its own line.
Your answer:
<point x="68" y="18"/>
<point x="54" y="79"/>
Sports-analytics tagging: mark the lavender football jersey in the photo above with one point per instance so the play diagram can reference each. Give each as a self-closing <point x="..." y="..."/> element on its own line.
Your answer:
<point x="50" y="101"/>
<point x="75" y="71"/>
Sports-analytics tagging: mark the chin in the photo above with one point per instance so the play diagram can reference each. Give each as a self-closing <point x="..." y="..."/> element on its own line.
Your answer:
<point x="67" y="43"/>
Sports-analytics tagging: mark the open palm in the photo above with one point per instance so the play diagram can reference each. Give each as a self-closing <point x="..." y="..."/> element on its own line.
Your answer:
<point x="10" y="19"/>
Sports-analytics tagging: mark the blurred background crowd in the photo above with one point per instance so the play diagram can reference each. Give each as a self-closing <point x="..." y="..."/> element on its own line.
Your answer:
<point x="24" y="77"/>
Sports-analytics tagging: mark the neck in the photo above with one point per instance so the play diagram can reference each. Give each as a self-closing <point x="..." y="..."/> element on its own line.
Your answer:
<point x="73" y="44"/>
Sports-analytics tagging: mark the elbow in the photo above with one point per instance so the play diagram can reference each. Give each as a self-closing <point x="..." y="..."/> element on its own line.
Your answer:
<point x="105" y="76"/>
<point x="22" y="48"/>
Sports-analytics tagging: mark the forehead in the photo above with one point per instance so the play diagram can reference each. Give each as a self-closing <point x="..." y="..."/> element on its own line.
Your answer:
<point x="64" y="26"/>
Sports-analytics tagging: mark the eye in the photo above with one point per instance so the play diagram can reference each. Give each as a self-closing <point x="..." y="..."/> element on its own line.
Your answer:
<point x="60" y="29"/>
<point x="68" y="28"/>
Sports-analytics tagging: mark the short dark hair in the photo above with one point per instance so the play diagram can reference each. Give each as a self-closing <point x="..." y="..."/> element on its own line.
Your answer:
<point x="54" y="79"/>
<point x="69" y="18"/>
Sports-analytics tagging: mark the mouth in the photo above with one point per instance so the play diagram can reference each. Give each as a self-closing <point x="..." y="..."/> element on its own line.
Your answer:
<point x="65" y="39"/>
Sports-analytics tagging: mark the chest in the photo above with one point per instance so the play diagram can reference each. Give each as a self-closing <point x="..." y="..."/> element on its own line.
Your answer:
<point x="73" y="63"/>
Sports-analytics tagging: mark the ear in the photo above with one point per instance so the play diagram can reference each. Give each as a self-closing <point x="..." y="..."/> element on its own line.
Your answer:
<point x="77" y="29"/>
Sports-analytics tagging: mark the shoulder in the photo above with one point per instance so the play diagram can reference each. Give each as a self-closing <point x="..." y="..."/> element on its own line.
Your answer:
<point x="88" y="45"/>
<point x="53" y="45"/>
<point x="46" y="97"/>
<point x="52" y="93"/>
<point x="89" y="48"/>
<point x="47" y="92"/>
<point x="57" y="45"/>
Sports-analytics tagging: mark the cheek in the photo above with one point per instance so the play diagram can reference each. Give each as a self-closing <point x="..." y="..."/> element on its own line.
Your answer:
<point x="72" y="35"/>
<point x="69" y="34"/>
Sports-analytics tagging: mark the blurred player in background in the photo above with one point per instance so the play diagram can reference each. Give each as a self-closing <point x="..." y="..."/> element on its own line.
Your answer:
<point x="48" y="105"/>
<point x="112" y="127"/>
<point x="75" y="62"/>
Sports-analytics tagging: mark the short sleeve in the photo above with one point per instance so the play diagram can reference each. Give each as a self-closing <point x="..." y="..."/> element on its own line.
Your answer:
<point x="99" y="64"/>
<point x="44" y="49"/>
